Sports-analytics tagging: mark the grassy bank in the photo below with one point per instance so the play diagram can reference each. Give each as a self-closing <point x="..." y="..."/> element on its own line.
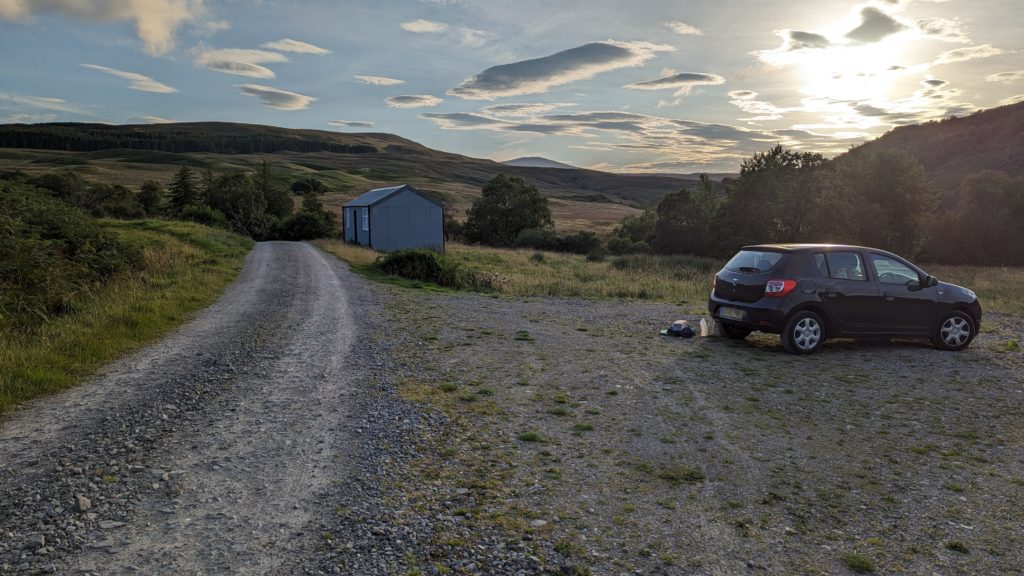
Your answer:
<point x="524" y="273"/>
<point x="184" y="268"/>
<point x="673" y="279"/>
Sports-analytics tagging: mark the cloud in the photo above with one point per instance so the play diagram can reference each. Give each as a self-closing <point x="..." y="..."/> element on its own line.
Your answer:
<point x="413" y="101"/>
<point x="747" y="101"/>
<point x="522" y="109"/>
<point x="539" y="74"/>
<point x="943" y="29"/>
<point x="350" y="124"/>
<point x="471" y="38"/>
<point x="239" y="61"/>
<point x="1006" y="77"/>
<point x="969" y="53"/>
<point x="683" y="29"/>
<point x="138" y="81"/>
<point x="43" y="102"/>
<point x="156" y="21"/>
<point x="682" y="83"/>
<point x="1012" y="100"/>
<point x="155" y="120"/>
<point x="379" y="80"/>
<point x="422" y="26"/>
<point x="276" y="98"/>
<point x="28" y="118"/>
<point x="793" y="41"/>
<point x="464" y="121"/>
<point x="289" y="45"/>
<point x="875" y="25"/>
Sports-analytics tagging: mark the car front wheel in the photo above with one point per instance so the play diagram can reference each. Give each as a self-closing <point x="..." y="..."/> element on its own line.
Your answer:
<point x="954" y="332"/>
<point x="804" y="333"/>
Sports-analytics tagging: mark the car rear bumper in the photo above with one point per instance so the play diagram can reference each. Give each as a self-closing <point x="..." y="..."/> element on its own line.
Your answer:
<point x="765" y="315"/>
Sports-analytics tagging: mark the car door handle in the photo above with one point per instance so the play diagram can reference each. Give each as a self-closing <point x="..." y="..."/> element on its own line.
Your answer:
<point x="829" y="293"/>
<point x="889" y="297"/>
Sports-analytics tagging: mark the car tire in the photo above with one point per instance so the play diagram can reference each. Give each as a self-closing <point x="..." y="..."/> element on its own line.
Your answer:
<point x="954" y="332"/>
<point x="735" y="332"/>
<point x="804" y="333"/>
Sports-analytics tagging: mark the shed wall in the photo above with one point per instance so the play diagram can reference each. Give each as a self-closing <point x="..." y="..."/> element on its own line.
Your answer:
<point x="406" y="220"/>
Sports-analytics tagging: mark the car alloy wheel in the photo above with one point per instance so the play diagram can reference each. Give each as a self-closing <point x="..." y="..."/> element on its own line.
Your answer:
<point x="804" y="333"/>
<point x="955" y="332"/>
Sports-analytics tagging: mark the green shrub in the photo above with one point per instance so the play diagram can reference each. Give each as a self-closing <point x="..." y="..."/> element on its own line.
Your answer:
<point x="428" y="266"/>
<point x="49" y="252"/>
<point x="203" y="214"/>
<point x="858" y="562"/>
<point x="303" y="226"/>
<point x="537" y="239"/>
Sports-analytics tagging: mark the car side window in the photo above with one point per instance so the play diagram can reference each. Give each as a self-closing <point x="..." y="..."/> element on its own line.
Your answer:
<point x="845" y="266"/>
<point x="889" y="271"/>
<point x="819" y="263"/>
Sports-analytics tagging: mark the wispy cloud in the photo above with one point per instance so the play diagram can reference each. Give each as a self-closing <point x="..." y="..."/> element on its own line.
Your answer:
<point x="413" y="101"/>
<point x="682" y="83"/>
<point x="138" y="81"/>
<point x="239" y="61"/>
<point x="156" y="21"/>
<point x="277" y="98"/>
<point x="422" y="26"/>
<point x="522" y="110"/>
<point x="155" y="120"/>
<point x="1012" y="100"/>
<point x="289" y="45"/>
<point x="747" y="101"/>
<point x="794" y="42"/>
<point x="350" y="124"/>
<point x="379" y="80"/>
<point x="969" y="53"/>
<point x="946" y="29"/>
<point x="683" y="29"/>
<point x="28" y="118"/>
<point x="540" y="74"/>
<point x="1006" y="77"/>
<point x="43" y="102"/>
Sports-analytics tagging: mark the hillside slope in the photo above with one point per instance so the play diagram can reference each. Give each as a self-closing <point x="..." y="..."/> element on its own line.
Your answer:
<point x="379" y="157"/>
<point x="952" y="149"/>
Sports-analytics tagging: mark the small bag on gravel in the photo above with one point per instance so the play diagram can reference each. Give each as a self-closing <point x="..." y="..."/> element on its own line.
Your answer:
<point x="679" y="329"/>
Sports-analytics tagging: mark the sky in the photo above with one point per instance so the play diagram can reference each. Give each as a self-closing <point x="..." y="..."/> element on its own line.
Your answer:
<point x="641" y="86"/>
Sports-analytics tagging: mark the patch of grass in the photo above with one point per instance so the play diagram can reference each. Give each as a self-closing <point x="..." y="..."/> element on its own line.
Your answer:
<point x="956" y="546"/>
<point x="558" y="411"/>
<point x="524" y="336"/>
<point x="680" y="473"/>
<point x="530" y="437"/>
<point x="858" y="562"/>
<point x="448" y="387"/>
<point x="185" y="267"/>
<point x="582" y="427"/>
<point x="954" y="487"/>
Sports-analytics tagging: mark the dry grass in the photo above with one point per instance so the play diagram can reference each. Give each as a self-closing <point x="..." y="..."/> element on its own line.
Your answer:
<point x="1000" y="289"/>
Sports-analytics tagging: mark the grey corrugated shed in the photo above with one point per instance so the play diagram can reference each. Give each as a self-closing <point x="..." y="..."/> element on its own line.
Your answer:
<point x="380" y="194"/>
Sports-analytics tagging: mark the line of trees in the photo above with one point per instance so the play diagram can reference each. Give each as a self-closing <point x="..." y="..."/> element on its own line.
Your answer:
<point x="76" y="137"/>
<point x="873" y="198"/>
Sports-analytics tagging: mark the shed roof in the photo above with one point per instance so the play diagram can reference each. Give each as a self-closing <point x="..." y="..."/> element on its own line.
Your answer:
<point x="379" y="195"/>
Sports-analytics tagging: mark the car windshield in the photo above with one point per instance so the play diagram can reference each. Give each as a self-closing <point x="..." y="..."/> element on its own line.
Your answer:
<point x="753" y="261"/>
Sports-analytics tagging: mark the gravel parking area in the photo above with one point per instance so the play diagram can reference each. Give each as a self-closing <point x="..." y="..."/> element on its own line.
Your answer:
<point x="612" y="449"/>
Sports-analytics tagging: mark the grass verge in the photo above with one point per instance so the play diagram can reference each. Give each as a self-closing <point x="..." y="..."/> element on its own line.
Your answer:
<point x="185" y="267"/>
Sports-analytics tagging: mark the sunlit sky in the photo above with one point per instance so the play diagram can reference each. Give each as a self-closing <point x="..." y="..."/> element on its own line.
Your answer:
<point x="655" y="85"/>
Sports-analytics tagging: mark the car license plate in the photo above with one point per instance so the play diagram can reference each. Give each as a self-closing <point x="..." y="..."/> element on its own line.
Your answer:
<point x="731" y="313"/>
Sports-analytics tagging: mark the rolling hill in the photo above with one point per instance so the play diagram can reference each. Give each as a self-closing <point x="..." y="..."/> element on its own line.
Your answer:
<point x="954" y="148"/>
<point x="537" y="162"/>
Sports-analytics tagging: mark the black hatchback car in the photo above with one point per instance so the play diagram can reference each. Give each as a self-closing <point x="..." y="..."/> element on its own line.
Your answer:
<point x="810" y="292"/>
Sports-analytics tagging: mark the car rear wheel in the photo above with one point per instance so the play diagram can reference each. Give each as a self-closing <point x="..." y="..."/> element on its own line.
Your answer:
<point x="735" y="332"/>
<point x="804" y="333"/>
<point x="954" y="332"/>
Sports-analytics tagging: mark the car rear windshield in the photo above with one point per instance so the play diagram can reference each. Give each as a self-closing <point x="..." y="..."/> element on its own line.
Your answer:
<point x="753" y="261"/>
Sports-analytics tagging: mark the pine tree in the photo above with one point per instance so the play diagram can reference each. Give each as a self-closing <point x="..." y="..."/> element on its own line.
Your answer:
<point x="183" y="191"/>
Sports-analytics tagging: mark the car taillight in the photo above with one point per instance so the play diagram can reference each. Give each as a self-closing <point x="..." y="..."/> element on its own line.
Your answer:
<point x="779" y="288"/>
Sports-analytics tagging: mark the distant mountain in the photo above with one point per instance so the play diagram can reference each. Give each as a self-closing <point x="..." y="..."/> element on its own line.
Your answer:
<point x="952" y="149"/>
<point x="362" y="159"/>
<point x="537" y="162"/>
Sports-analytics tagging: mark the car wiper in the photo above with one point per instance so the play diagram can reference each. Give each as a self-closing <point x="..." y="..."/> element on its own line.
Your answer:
<point x="749" y="269"/>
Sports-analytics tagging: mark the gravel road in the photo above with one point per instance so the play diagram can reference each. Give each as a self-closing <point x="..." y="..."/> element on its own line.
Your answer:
<point x="218" y="450"/>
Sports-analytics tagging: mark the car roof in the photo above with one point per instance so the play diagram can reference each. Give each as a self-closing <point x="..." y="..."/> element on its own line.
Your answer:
<point x="807" y="247"/>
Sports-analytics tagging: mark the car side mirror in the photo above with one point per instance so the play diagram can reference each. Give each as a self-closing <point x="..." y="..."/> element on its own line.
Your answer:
<point x="930" y="281"/>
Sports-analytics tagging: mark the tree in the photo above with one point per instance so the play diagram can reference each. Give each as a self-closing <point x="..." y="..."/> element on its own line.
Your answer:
<point x="506" y="207"/>
<point x="312" y="221"/>
<point x="151" y="196"/>
<point x="279" y="202"/>
<point x="686" y="221"/>
<point x="308" y="184"/>
<point x="243" y="206"/>
<point x="988" y="227"/>
<point x="183" y="191"/>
